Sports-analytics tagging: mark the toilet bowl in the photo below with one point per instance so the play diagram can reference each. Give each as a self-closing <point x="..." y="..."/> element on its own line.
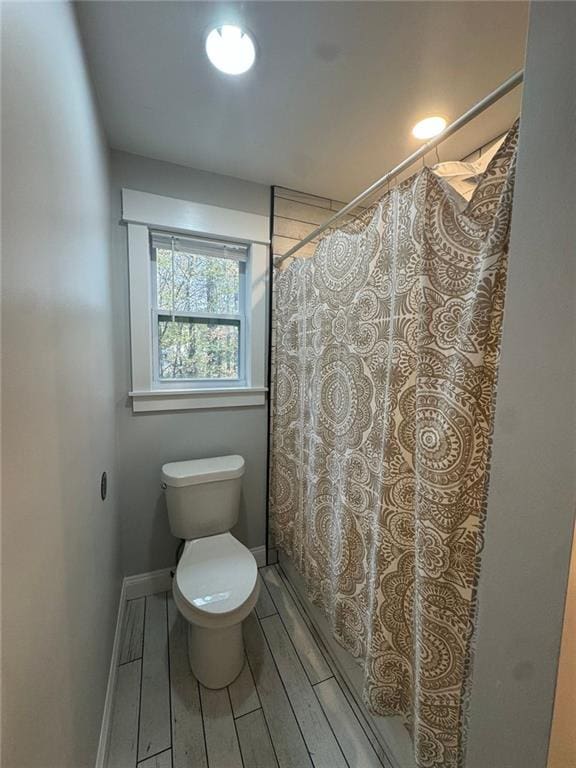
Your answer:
<point x="216" y="582"/>
<point x="215" y="589"/>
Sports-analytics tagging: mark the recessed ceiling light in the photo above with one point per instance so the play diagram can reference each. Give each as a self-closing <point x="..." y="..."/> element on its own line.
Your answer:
<point x="429" y="127"/>
<point x="230" y="49"/>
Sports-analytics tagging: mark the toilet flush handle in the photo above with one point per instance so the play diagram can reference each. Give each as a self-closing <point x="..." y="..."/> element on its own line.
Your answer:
<point x="163" y="485"/>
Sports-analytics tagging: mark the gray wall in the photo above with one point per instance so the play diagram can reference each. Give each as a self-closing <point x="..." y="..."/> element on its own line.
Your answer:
<point x="532" y="493"/>
<point x="149" y="440"/>
<point x="60" y="548"/>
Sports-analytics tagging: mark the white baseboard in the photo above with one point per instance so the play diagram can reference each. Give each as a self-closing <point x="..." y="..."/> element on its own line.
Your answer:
<point x="102" y="754"/>
<point x="140" y="585"/>
<point x="150" y="583"/>
<point x="259" y="555"/>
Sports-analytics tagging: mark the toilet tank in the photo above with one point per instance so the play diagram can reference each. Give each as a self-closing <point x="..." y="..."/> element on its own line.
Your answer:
<point x="203" y="495"/>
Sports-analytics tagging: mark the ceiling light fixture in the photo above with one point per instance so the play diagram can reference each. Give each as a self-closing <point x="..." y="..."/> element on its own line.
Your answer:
<point x="429" y="127"/>
<point x="230" y="49"/>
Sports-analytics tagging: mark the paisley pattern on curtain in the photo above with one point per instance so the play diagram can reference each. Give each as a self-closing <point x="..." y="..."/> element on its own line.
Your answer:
<point x="386" y="354"/>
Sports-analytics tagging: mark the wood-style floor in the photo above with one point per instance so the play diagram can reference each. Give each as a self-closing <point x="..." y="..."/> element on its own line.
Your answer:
<point x="287" y="709"/>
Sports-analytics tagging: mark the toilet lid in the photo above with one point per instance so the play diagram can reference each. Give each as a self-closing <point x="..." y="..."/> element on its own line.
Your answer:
<point x="216" y="574"/>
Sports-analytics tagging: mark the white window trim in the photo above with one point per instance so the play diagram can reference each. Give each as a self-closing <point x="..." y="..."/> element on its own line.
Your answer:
<point x="142" y="212"/>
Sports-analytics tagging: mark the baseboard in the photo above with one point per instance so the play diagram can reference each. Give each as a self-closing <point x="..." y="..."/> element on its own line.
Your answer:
<point x="150" y="583"/>
<point x="102" y="754"/>
<point x="259" y="555"/>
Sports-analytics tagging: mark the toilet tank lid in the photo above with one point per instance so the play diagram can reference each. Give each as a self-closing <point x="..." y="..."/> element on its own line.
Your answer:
<point x="180" y="473"/>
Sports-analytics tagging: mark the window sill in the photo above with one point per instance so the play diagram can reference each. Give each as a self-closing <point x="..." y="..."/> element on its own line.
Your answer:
<point x="148" y="401"/>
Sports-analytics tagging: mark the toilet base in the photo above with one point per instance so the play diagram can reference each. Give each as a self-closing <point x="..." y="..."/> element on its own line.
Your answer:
<point x="216" y="655"/>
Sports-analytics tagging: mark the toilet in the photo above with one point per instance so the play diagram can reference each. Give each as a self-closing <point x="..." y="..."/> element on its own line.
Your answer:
<point x="215" y="587"/>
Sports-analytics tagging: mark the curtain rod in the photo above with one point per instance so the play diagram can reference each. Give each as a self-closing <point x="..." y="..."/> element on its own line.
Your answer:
<point x="460" y="122"/>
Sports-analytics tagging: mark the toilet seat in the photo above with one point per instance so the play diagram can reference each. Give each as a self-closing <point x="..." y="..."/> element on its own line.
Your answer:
<point x="216" y="581"/>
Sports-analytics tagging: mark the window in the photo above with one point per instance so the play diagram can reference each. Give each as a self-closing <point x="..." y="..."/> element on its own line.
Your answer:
<point x="198" y="296"/>
<point x="199" y="310"/>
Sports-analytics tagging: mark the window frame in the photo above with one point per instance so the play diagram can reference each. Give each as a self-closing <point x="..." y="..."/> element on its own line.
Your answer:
<point x="240" y="317"/>
<point x="145" y="213"/>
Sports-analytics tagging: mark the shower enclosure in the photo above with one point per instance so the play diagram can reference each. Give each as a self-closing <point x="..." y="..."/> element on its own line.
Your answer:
<point x="385" y="363"/>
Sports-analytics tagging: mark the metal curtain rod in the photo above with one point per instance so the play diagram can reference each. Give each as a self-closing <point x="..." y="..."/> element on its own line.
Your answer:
<point x="477" y="109"/>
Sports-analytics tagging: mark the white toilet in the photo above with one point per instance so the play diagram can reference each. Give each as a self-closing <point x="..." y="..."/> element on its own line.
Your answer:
<point x="215" y="586"/>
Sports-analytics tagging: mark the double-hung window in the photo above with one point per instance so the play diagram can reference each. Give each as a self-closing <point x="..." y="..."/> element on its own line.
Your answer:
<point x="199" y="312"/>
<point x="198" y="278"/>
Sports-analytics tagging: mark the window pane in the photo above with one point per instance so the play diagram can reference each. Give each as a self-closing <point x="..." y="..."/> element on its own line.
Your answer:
<point x="201" y="283"/>
<point x="193" y="349"/>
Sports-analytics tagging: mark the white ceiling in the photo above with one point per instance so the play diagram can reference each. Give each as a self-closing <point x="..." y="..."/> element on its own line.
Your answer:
<point x="329" y="105"/>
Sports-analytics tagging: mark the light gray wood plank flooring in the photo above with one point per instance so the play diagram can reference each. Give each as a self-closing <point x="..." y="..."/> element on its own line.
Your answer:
<point x="221" y="739"/>
<point x="287" y="738"/>
<point x="243" y="695"/>
<point x="354" y="744"/>
<point x="133" y="631"/>
<point x="265" y="605"/>
<point x="255" y="743"/>
<point x="285" y="710"/>
<point x="324" y="748"/>
<point x="124" y="733"/>
<point x="310" y="654"/>
<point x="154" y="733"/>
<point x="163" y="760"/>
<point x="188" y="745"/>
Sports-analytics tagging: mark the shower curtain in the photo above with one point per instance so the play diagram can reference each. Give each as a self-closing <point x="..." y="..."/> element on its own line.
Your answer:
<point x="385" y="363"/>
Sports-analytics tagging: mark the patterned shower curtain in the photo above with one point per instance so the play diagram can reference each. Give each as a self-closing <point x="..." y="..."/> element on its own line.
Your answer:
<point x="385" y="361"/>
